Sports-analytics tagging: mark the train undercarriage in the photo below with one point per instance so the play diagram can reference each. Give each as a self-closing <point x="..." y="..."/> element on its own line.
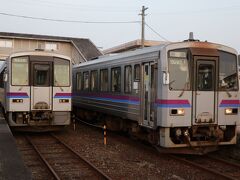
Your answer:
<point x="38" y="121"/>
<point x="183" y="140"/>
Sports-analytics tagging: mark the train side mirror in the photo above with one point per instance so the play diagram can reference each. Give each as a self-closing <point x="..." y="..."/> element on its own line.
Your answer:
<point x="5" y="77"/>
<point x="165" y="77"/>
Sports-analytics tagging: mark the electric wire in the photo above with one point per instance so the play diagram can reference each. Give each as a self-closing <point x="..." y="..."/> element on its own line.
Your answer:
<point x="69" y="21"/>
<point x="156" y="32"/>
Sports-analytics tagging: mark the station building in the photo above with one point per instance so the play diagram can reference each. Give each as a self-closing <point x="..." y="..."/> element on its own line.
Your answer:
<point x="79" y="49"/>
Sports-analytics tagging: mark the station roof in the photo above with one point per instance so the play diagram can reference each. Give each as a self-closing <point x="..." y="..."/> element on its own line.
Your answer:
<point x="132" y="45"/>
<point x="84" y="46"/>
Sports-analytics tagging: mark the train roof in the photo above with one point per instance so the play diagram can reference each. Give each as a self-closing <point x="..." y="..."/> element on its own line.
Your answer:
<point x="111" y="57"/>
<point x="39" y="53"/>
<point x="176" y="45"/>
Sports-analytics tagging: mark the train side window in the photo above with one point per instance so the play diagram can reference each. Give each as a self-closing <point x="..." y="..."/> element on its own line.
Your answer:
<point x="136" y="72"/>
<point x="2" y="78"/>
<point x="116" y="79"/>
<point x="136" y="78"/>
<point x="104" y="80"/>
<point x="79" y="81"/>
<point x="85" y="81"/>
<point x="128" y="79"/>
<point x="94" y="80"/>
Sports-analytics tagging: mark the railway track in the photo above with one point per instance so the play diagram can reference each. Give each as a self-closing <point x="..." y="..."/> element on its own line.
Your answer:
<point x="32" y="159"/>
<point x="61" y="160"/>
<point x="218" y="167"/>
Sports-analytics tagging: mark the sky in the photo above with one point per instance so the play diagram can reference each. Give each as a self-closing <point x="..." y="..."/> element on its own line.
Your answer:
<point x="108" y="23"/>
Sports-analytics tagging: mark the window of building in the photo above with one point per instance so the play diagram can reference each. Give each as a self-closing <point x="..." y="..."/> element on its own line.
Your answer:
<point x="20" y="71"/>
<point x="85" y="81"/>
<point x="94" y="80"/>
<point x="5" y="43"/>
<point x="116" y="79"/>
<point x="128" y="79"/>
<point x="51" y="46"/>
<point x="79" y="81"/>
<point x="104" y="80"/>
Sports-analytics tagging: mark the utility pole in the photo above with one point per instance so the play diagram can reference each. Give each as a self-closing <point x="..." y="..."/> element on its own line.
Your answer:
<point x="143" y="25"/>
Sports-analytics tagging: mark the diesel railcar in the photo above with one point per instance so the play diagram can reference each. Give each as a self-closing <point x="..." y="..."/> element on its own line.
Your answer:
<point x="36" y="90"/>
<point x="183" y="97"/>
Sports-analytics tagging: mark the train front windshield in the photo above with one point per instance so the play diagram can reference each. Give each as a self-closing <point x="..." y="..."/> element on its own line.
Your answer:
<point x="228" y="76"/>
<point x="180" y="73"/>
<point x="61" y="72"/>
<point x="179" y="70"/>
<point x="21" y="72"/>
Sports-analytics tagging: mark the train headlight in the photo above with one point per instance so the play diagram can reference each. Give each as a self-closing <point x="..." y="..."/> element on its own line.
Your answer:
<point x="180" y="112"/>
<point x="178" y="132"/>
<point x="17" y="100"/>
<point x="230" y="111"/>
<point x="63" y="100"/>
<point x="177" y="112"/>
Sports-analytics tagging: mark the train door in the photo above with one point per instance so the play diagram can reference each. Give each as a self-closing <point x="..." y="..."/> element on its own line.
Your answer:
<point x="148" y="93"/>
<point x="205" y="94"/>
<point x="41" y="85"/>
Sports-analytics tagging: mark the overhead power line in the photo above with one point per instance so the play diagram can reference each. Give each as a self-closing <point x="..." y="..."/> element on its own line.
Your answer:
<point x="156" y="32"/>
<point x="69" y="21"/>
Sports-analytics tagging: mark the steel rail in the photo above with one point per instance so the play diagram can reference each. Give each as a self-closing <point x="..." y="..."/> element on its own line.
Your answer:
<point x="224" y="161"/>
<point x="43" y="159"/>
<point x="82" y="158"/>
<point x="203" y="168"/>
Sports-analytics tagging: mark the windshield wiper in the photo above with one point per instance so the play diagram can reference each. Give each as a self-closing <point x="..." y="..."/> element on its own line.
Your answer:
<point x="58" y="85"/>
<point x="228" y="93"/>
<point x="183" y="90"/>
<point x="170" y="83"/>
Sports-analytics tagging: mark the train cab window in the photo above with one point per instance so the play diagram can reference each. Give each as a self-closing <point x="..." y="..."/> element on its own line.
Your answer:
<point x="61" y="72"/>
<point x="104" y="80"/>
<point x="128" y="79"/>
<point x="79" y="81"/>
<point x="94" y="80"/>
<point x="20" y="71"/>
<point x="205" y="79"/>
<point x="178" y="70"/>
<point x="41" y="75"/>
<point x="116" y="79"/>
<point x="228" y="72"/>
<point x="85" y="81"/>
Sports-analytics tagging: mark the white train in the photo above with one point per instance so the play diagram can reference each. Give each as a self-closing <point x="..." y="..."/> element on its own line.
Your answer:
<point x="36" y="90"/>
<point x="181" y="96"/>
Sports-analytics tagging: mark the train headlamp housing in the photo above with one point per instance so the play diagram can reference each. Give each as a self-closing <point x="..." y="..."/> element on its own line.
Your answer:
<point x="231" y="111"/>
<point x="17" y="100"/>
<point x="177" y="112"/>
<point x="63" y="100"/>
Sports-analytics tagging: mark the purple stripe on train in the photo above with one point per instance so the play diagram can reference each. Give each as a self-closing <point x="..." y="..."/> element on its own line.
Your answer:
<point x="63" y="95"/>
<point x="230" y="103"/>
<point x="172" y="103"/>
<point x="17" y="95"/>
<point x="112" y="98"/>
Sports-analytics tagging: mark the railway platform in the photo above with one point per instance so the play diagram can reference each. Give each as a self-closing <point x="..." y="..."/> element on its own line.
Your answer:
<point x="11" y="164"/>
